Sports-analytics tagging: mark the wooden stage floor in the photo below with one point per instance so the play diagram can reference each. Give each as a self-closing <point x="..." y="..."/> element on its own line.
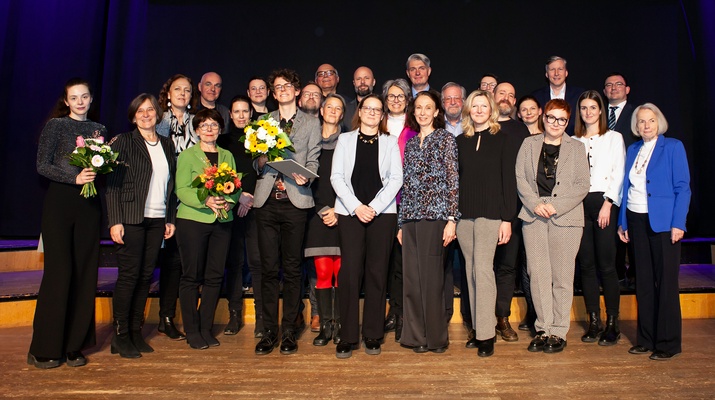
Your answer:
<point x="234" y="371"/>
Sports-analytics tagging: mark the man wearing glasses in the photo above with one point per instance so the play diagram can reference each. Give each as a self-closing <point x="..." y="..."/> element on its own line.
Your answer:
<point x="453" y="96"/>
<point x="488" y="82"/>
<point x="210" y="89"/>
<point x="363" y="82"/>
<point x="418" y="70"/>
<point x="282" y="204"/>
<point x="619" y="111"/>
<point x="327" y="78"/>
<point x="310" y="99"/>
<point x="556" y="74"/>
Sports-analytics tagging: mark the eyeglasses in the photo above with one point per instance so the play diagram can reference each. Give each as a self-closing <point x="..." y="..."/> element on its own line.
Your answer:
<point x="370" y="110"/>
<point x="450" y="99"/>
<point x="322" y="74"/>
<point x="487" y="85"/>
<point x="561" y="121"/>
<point x="311" y="95"/>
<point x="396" y="97"/>
<point x="208" y="126"/>
<point x="616" y="85"/>
<point x="280" y="88"/>
<point x="257" y="88"/>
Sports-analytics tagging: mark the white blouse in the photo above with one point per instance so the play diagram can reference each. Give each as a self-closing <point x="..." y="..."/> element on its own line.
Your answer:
<point x="638" y="192"/>
<point x="607" y="159"/>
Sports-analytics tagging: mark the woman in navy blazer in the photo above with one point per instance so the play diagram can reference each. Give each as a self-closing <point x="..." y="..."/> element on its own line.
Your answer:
<point x="366" y="176"/>
<point x="656" y="195"/>
<point x="141" y="208"/>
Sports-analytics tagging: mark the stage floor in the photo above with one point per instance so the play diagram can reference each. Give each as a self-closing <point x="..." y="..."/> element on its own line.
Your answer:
<point x="232" y="370"/>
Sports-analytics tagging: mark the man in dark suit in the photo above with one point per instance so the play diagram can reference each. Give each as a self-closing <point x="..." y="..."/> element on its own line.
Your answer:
<point x="364" y="82"/>
<point x="619" y="114"/>
<point x="556" y="73"/>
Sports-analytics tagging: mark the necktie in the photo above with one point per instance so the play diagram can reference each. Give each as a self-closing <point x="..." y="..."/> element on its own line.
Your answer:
<point x="612" y="118"/>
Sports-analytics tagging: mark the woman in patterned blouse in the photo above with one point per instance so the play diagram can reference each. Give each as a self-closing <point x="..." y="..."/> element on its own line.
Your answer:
<point x="427" y="219"/>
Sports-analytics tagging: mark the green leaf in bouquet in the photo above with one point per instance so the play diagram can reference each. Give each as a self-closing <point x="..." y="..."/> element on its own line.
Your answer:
<point x="202" y="194"/>
<point x="196" y="182"/>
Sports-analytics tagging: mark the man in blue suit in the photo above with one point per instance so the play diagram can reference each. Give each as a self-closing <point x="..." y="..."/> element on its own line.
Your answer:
<point x="556" y="73"/>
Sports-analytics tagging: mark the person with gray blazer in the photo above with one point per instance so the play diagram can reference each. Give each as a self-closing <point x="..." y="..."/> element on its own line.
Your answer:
<point x="282" y="204"/>
<point x="552" y="177"/>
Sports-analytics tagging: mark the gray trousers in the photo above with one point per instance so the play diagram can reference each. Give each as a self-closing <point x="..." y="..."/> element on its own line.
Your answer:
<point x="551" y="259"/>
<point x="478" y="239"/>
<point x="425" y="316"/>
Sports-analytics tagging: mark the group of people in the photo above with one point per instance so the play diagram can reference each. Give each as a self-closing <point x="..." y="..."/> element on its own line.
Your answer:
<point x="409" y="181"/>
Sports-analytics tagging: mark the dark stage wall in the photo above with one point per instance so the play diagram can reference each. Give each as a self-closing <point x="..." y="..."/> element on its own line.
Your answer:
<point x="125" y="47"/>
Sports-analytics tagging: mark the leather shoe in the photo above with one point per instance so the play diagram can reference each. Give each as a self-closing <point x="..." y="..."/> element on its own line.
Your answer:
<point x="486" y="347"/>
<point x="420" y="349"/>
<point x="42" y="362"/>
<point x="390" y="323"/>
<point x="76" y="359"/>
<point x="555" y="344"/>
<point x="504" y="329"/>
<point x="659" y="355"/>
<point x="345" y="350"/>
<point x="372" y="346"/>
<point x="315" y="323"/>
<point x="167" y="327"/>
<point x="439" y="350"/>
<point x="594" y="328"/>
<point x="289" y="344"/>
<point x="638" y="349"/>
<point x="267" y="343"/>
<point x="611" y="334"/>
<point x="235" y="323"/>
<point x="472" y="340"/>
<point x="537" y="344"/>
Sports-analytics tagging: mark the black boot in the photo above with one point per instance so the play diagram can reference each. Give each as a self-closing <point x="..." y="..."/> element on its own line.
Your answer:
<point x="336" y="316"/>
<point x="138" y="340"/>
<point x="167" y="327"/>
<point x="122" y="342"/>
<point x="611" y="334"/>
<point x="235" y="323"/>
<point x="324" y="298"/>
<point x="594" y="328"/>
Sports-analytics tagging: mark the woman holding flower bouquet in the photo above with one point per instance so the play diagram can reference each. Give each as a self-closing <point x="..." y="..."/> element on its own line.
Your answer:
<point x="203" y="226"/>
<point x="141" y="209"/>
<point x="366" y="176"/>
<point x="64" y="315"/>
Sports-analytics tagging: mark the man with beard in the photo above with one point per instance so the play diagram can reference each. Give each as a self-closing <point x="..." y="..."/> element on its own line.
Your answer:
<point x="453" y="96"/>
<point x="210" y="89"/>
<point x="556" y="74"/>
<point x="327" y="78"/>
<point x="310" y="99"/>
<point x="418" y="70"/>
<point x="363" y="81"/>
<point x="507" y="255"/>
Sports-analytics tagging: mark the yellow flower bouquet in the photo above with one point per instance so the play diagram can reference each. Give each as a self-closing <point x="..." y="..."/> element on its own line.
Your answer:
<point x="264" y="136"/>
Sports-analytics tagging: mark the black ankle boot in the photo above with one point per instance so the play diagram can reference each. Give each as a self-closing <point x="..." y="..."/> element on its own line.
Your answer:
<point x="611" y="334"/>
<point x="235" y="323"/>
<point x="122" y="342"/>
<point x="167" y="327"/>
<point x="594" y="328"/>
<point x="139" y="342"/>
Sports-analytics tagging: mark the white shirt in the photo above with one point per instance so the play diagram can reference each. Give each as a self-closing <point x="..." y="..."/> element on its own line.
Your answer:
<point x="395" y="124"/>
<point x="638" y="192"/>
<point x="155" y="206"/>
<point x="607" y="159"/>
<point x="561" y="95"/>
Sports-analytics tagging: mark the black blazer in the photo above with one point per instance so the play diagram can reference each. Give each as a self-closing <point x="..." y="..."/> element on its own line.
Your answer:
<point x="128" y="185"/>
<point x="543" y="95"/>
<point x="623" y="124"/>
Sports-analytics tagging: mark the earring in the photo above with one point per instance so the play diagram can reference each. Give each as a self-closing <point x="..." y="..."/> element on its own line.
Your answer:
<point x="168" y="104"/>
<point x="188" y="107"/>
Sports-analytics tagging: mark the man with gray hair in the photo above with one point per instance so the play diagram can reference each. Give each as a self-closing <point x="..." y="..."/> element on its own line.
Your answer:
<point x="556" y="74"/>
<point x="453" y="95"/>
<point x="418" y="70"/>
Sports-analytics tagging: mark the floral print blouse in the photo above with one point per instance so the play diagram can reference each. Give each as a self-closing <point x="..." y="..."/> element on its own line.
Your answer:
<point x="430" y="188"/>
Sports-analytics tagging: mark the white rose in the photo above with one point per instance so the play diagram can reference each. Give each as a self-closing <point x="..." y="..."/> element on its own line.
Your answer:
<point x="261" y="133"/>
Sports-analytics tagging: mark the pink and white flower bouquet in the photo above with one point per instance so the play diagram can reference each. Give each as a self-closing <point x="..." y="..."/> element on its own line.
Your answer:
<point x="93" y="153"/>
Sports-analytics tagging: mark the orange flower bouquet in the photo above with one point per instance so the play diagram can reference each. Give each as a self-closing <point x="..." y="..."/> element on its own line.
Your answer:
<point x="219" y="180"/>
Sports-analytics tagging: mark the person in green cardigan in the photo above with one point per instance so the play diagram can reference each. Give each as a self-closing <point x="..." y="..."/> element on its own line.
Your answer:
<point x="203" y="239"/>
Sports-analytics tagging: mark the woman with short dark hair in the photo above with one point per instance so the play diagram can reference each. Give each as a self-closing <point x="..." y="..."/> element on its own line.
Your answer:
<point x="141" y="209"/>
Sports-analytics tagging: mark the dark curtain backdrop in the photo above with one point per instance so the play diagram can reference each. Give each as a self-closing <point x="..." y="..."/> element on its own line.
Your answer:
<point x="125" y="47"/>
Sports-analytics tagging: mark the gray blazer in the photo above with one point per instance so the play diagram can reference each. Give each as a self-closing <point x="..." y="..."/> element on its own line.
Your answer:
<point x="572" y="181"/>
<point x="389" y="163"/>
<point x="305" y="136"/>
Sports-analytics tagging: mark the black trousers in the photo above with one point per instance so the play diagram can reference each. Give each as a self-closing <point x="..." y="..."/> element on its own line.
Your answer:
<point x="169" y="277"/>
<point x="657" y="290"/>
<point x="425" y="317"/>
<point x="597" y="256"/>
<point x="394" y="279"/>
<point x="365" y="256"/>
<point x="203" y="248"/>
<point x="137" y="258"/>
<point x="505" y="270"/>
<point x="281" y="228"/>
<point x="64" y="314"/>
<point x="243" y="250"/>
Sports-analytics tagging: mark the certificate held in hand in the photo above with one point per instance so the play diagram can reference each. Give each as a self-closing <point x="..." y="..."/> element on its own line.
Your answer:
<point x="290" y="167"/>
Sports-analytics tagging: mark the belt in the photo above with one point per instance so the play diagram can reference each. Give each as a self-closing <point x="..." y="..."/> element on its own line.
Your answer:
<point x="279" y="195"/>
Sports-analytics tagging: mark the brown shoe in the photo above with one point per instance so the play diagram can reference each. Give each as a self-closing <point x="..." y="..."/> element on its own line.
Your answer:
<point x="315" y="323"/>
<point x="504" y="329"/>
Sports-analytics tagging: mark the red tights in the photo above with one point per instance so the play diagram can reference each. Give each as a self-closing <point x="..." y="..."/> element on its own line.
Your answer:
<point x="327" y="268"/>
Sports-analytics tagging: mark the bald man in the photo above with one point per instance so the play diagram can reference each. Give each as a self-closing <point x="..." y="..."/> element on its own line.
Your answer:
<point x="364" y="82"/>
<point x="210" y="89"/>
